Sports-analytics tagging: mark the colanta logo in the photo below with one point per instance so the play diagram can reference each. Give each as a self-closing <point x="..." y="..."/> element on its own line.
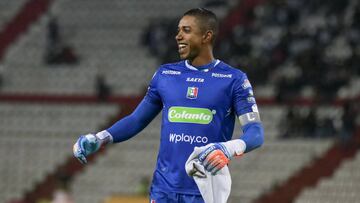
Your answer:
<point x="179" y="114"/>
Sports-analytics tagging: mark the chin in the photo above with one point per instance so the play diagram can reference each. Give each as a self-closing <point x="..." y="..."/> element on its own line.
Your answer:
<point x="183" y="57"/>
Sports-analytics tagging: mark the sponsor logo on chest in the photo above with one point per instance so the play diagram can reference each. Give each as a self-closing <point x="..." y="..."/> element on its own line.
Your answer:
<point x="220" y="75"/>
<point x="170" y="72"/>
<point x="179" y="114"/>
<point x="189" y="79"/>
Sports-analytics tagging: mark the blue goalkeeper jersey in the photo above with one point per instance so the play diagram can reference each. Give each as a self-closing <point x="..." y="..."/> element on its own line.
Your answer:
<point x="199" y="107"/>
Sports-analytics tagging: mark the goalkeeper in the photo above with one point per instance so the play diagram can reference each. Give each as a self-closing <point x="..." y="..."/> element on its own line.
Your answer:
<point x="200" y="98"/>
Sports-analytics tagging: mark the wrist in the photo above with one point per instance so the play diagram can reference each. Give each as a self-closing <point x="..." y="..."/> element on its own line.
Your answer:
<point x="104" y="137"/>
<point x="235" y="147"/>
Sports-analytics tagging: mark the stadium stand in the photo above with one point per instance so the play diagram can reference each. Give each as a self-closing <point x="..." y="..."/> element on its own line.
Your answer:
<point x="8" y="9"/>
<point x="119" y="171"/>
<point x="108" y="44"/>
<point x="342" y="187"/>
<point x="111" y="51"/>
<point x="290" y="47"/>
<point x="39" y="137"/>
<point x="14" y="28"/>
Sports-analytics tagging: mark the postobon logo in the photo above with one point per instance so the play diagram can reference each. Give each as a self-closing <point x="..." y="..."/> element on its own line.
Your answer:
<point x="179" y="114"/>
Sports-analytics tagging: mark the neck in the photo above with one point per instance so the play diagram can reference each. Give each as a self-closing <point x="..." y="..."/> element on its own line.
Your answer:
<point x="203" y="58"/>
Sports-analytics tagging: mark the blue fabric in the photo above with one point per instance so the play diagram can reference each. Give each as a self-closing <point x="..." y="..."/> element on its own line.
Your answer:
<point x="129" y="126"/>
<point x="198" y="108"/>
<point x="253" y="136"/>
<point x="206" y="66"/>
<point x="157" y="196"/>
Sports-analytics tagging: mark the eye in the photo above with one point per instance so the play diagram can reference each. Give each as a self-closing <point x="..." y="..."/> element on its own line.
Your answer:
<point x="187" y="29"/>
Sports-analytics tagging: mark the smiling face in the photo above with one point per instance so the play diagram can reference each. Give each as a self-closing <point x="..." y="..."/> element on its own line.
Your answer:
<point x="191" y="39"/>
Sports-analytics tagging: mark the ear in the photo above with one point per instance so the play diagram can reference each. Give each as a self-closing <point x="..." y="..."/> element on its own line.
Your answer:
<point x="207" y="37"/>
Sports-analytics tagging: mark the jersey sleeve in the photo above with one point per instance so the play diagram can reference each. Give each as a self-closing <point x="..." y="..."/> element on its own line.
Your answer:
<point x="152" y="94"/>
<point x="131" y="125"/>
<point x="248" y="114"/>
<point x="244" y="100"/>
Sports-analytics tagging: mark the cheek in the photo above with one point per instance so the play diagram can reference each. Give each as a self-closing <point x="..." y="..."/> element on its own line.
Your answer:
<point x="195" y="44"/>
<point x="197" y="41"/>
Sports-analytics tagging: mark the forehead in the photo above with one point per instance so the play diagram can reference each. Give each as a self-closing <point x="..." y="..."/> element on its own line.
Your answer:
<point x="188" y="21"/>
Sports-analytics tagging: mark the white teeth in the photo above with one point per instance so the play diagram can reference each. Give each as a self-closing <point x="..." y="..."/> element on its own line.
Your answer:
<point x="182" y="45"/>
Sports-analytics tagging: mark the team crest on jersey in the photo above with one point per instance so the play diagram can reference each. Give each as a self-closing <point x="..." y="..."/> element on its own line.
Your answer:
<point x="192" y="92"/>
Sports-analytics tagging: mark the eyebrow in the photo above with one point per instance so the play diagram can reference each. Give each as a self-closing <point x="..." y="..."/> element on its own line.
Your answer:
<point x="184" y="26"/>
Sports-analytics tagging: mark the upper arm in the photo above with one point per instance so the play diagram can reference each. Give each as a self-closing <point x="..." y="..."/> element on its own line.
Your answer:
<point x="248" y="114"/>
<point x="244" y="101"/>
<point x="152" y="94"/>
<point x="144" y="113"/>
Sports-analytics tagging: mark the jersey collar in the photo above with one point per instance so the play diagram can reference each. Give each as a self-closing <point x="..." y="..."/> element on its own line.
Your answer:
<point x="204" y="68"/>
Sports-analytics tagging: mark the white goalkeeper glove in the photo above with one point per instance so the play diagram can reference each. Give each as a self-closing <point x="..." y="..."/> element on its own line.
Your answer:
<point x="218" y="155"/>
<point x="89" y="144"/>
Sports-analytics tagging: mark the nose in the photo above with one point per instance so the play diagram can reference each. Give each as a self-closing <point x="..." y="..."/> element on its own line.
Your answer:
<point x="178" y="36"/>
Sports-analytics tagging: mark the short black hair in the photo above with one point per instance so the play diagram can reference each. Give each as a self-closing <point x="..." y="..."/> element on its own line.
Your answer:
<point x="207" y="20"/>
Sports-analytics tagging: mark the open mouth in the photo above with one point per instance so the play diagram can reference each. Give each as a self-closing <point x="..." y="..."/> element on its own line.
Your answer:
<point x="181" y="47"/>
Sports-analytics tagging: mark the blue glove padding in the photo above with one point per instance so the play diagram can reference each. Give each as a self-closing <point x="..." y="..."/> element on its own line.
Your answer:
<point x="214" y="158"/>
<point x="84" y="146"/>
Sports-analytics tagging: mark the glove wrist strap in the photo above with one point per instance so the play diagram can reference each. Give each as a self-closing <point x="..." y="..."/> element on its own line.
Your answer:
<point x="104" y="137"/>
<point x="235" y="147"/>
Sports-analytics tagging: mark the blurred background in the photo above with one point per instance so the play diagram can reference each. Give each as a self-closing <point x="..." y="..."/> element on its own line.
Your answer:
<point x="69" y="67"/>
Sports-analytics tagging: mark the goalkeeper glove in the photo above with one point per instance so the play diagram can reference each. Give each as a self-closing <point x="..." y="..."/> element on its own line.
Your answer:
<point x="89" y="144"/>
<point x="218" y="155"/>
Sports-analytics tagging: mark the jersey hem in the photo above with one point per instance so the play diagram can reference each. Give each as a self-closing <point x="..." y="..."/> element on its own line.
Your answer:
<point x="175" y="191"/>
